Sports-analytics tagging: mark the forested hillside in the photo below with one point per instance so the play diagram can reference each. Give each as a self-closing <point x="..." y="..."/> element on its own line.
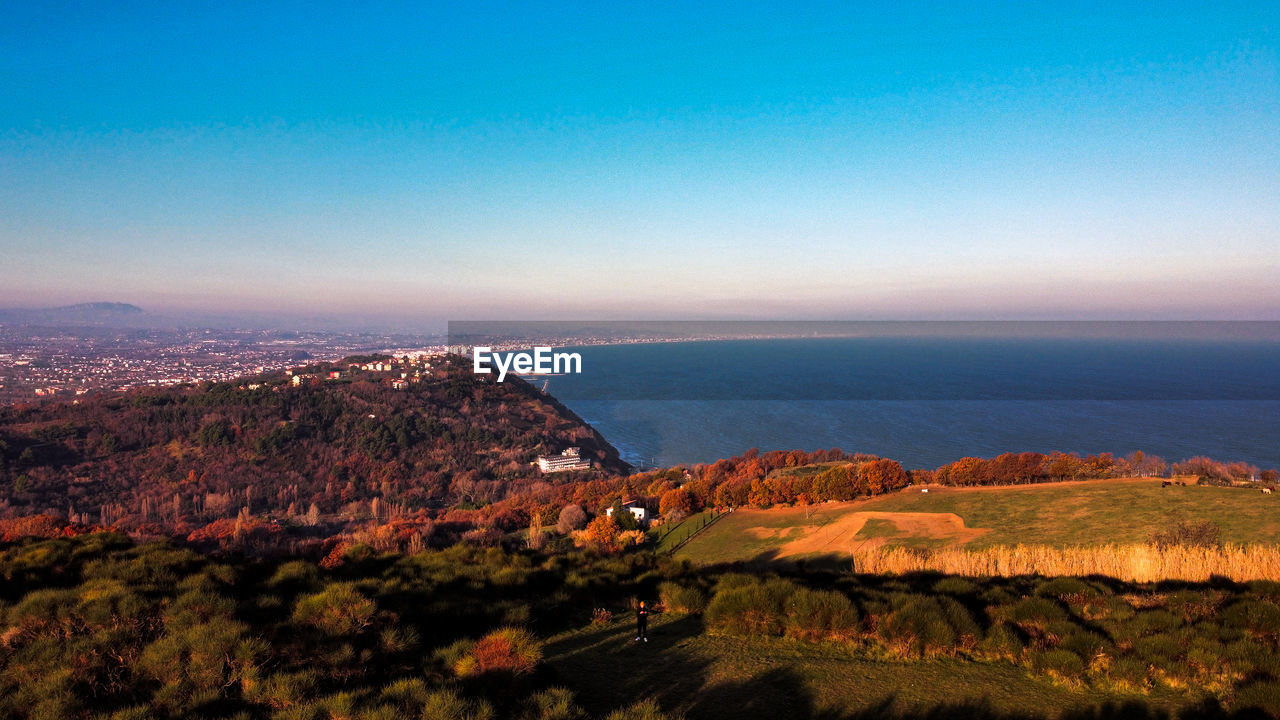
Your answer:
<point x="308" y="449"/>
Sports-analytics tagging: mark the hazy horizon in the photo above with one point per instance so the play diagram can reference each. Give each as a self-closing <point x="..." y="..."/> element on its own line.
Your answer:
<point x="413" y="165"/>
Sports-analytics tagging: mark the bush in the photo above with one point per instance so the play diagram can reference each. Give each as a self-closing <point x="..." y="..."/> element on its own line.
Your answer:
<point x="553" y="704"/>
<point x="1204" y="534"/>
<point x="1073" y="591"/>
<point x="955" y="586"/>
<point x="1002" y="642"/>
<point x="449" y="705"/>
<point x="508" y="650"/>
<point x="1129" y="671"/>
<point x="339" y="609"/>
<point x="1264" y="696"/>
<point x="1259" y="618"/>
<point x="294" y="575"/>
<point x="925" y="626"/>
<point x="1163" y="651"/>
<point x="1035" y="615"/>
<point x="283" y="690"/>
<point x="682" y="599"/>
<point x="751" y="609"/>
<point x="815" y="614"/>
<point x="1194" y="606"/>
<point x="1062" y="664"/>
<point x="644" y="710"/>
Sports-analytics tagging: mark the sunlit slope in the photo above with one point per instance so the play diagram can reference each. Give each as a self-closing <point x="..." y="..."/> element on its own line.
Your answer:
<point x="1098" y="512"/>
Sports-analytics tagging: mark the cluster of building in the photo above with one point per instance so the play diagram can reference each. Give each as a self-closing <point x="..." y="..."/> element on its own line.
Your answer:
<point x="405" y="369"/>
<point x="40" y="362"/>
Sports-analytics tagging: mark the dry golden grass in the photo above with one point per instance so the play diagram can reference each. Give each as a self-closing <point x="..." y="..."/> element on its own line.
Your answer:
<point x="1135" y="563"/>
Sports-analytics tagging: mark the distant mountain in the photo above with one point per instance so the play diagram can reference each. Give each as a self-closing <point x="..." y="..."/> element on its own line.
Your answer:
<point x="94" y="313"/>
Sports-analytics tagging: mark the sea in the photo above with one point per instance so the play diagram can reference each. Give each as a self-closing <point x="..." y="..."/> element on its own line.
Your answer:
<point x="926" y="401"/>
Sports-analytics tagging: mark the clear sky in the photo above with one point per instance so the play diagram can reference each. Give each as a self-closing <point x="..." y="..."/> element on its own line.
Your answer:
<point x="434" y="161"/>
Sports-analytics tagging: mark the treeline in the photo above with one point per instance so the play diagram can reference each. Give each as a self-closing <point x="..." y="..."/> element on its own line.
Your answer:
<point x="179" y="458"/>
<point x="1030" y="467"/>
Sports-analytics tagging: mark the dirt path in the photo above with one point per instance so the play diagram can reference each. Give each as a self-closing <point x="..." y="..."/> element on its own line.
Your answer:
<point x="841" y="535"/>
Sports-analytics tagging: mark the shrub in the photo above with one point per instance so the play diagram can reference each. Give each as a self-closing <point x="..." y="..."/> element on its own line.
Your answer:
<point x="752" y="609"/>
<point x="1164" y="651"/>
<point x="1149" y="622"/>
<point x="1062" y="664"/>
<point x="553" y="704"/>
<point x="449" y="705"/>
<point x="682" y="599"/>
<point x="282" y="690"/>
<point x="1259" y="618"/>
<point x="1205" y="534"/>
<point x="508" y="650"/>
<point x="339" y="609"/>
<point x="925" y="626"/>
<point x="1002" y="642"/>
<point x="644" y="710"/>
<point x="1036" y="616"/>
<point x="408" y="694"/>
<point x="815" y="614"/>
<point x="1194" y="606"/>
<point x="294" y="575"/>
<point x="453" y="653"/>
<point x="734" y="580"/>
<point x="1264" y="696"/>
<point x="1072" y="591"/>
<point x="1087" y="645"/>
<point x="1129" y="671"/>
<point x="955" y="586"/>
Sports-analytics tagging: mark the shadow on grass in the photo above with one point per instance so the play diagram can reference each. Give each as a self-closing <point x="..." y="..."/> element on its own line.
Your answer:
<point x="782" y="693"/>
<point x="607" y="669"/>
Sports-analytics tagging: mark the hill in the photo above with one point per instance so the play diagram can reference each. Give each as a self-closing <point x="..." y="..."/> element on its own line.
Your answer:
<point x="188" y="455"/>
<point x="83" y="313"/>
<point x="1092" y="513"/>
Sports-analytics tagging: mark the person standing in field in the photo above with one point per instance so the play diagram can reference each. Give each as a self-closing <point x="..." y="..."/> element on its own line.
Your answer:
<point x="642" y="622"/>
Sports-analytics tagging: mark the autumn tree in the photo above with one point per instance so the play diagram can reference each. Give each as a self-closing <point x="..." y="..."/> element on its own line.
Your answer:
<point x="602" y="532"/>
<point x="675" y="504"/>
<point x="572" y="517"/>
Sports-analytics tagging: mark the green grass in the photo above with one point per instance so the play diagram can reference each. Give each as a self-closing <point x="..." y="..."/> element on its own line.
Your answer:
<point x="806" y="470"/>
<point x="670" y="538"/>
<point x="723" y="677"/>
<point x="1094" y="513"/>
<point x="1057" y="514"/>
<point x="893" y="535"/>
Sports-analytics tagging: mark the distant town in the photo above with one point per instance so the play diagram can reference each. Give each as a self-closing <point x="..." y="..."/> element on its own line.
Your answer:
<point x="39" y="362"/>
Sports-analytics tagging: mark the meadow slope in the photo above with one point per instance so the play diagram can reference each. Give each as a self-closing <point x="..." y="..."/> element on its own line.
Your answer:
<point x="1057" y="515"/>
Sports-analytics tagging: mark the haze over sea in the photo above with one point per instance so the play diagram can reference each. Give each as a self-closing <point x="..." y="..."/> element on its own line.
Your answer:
<point x="926" y="401"/>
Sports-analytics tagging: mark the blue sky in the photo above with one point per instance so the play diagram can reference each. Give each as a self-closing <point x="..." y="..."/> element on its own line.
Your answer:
<point x="483" y="160"/>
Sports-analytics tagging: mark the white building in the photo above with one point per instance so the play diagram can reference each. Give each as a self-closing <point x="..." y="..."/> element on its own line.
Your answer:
<point x="568" y="459"/>
<point x="637" y="511"/>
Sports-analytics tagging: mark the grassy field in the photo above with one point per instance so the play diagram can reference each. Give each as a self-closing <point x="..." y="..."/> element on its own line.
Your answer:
<point x="669" y="538"/>
<point x="1098" y="512"/>
<point x="734" y="678"/>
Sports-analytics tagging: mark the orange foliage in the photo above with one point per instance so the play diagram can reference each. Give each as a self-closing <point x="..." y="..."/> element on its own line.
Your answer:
<point x="40" y="526"/>
<point x="602" y="532"/>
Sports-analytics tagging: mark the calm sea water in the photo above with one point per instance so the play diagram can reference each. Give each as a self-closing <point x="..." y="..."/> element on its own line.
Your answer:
<point x="928" y="401"/>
